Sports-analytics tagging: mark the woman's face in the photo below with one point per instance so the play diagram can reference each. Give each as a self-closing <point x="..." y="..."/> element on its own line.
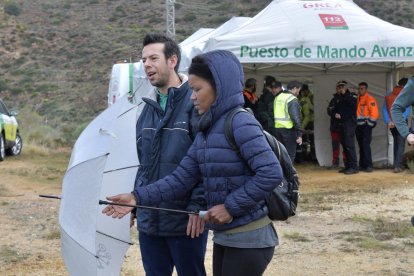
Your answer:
<point x="203" y="94"/>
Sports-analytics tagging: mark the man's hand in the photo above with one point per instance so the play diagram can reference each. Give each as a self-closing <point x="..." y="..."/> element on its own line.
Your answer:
<point x="410" y="139"/>
<point x="195" y="226"/>
<point x="218" y="215"/>
<point x="119" y="211"/>
<point x="299" y="141"/>
<point x="391" y="125"/>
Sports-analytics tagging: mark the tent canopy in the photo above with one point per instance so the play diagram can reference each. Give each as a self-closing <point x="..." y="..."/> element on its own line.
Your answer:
<point x="319" y="43"/>
<point x="292" y="31"/>
<point x="195" y="43"/>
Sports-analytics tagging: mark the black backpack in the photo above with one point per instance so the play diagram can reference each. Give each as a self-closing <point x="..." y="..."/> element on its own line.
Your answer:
<point x="283" y="200"/>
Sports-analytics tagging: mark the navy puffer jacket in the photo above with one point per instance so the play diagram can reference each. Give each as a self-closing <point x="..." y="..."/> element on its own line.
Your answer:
<point x="241" y="184"/>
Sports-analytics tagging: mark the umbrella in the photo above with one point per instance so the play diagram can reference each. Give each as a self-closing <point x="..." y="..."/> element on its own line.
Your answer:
<point x="103" y="162"/>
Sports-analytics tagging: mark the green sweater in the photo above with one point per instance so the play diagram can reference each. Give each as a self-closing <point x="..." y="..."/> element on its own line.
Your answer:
<point x="404" y="100"/>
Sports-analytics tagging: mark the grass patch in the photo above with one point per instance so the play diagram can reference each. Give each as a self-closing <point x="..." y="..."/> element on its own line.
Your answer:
<point x="11" y="255"/>
<point x="52" y="235"/>
<point x="384" y="229"/>
<point x="296" y="236"/>
<point x="371" y="243"/>
<point x="4" y="191"/>
<point x="378" y="233"/>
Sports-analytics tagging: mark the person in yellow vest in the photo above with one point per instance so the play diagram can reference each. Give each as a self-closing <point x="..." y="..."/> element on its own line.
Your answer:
<point x="367" y="116"/>
<point x="288" y="126"/>
<point x="398" y="140"/>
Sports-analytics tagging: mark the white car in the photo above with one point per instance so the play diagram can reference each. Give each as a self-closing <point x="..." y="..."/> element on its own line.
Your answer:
<point x="10" y="140"/>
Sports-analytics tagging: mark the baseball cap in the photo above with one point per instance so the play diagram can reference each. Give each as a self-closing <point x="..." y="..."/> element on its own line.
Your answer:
<point x="342" y="82"/>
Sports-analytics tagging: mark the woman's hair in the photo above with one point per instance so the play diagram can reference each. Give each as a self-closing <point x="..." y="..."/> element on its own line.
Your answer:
<point x="199" y="67"/>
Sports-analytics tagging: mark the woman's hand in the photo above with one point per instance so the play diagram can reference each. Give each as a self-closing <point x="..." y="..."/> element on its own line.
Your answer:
<point x="218" y="215"/>
<point x="195" y="226"/>
<point x="119" y="211"/>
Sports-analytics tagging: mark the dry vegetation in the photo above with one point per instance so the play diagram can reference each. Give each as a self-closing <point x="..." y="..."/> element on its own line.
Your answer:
<point x="346" y="225"/>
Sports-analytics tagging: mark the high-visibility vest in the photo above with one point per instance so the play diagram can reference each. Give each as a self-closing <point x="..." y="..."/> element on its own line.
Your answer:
<point x="281" y="111"/>
<point x="367" y="110"/>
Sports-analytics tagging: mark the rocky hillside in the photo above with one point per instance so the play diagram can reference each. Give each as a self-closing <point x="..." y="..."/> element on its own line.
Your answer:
<point x="56" y="55"/>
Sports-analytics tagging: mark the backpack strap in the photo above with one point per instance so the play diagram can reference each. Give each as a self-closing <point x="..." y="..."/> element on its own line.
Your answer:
<point x="229" y="133"/>
<point x="228" y="128"/>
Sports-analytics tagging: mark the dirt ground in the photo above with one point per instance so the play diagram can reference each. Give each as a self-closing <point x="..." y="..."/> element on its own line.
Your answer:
<point x="346" y="225"/>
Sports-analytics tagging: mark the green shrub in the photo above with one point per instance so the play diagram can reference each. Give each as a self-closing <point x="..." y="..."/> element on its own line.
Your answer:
<point x="12" y="9"/>
<point x="189" y="17"/>
<point x="3" y="85"/>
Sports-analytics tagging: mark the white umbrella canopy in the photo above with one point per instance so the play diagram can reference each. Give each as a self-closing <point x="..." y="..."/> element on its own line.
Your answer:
<point x="104" y="162"/>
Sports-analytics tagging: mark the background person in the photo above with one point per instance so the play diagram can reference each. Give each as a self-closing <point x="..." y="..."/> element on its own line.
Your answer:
<point x="367" y="116"/>
<point x="249" y="94"/>
<point x="345" y="113"/>
<point x="307" y="148"/>
<point x="398" y="140"/>
<point x="335" y="129"/>
<point x="265" y="104"/>
<point x="235" y="186"/>
<point x="288" y="126"/>
<point x="164" y="134"/>
<point x="404" y="100"/>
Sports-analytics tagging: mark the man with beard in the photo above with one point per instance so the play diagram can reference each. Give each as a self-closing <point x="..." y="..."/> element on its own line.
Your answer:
<point x="164" y="134"/>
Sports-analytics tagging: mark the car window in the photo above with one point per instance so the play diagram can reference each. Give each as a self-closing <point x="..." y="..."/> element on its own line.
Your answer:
<point x="3" y="109"/>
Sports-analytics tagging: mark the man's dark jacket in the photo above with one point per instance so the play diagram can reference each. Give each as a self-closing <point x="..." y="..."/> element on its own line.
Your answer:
<point x="163" y="139"/>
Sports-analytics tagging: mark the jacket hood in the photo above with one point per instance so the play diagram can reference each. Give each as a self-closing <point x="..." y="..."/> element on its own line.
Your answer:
<point x="229" y="77"/>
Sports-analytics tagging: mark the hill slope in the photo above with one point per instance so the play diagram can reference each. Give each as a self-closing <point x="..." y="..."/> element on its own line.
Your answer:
<point x="57" y="54"/>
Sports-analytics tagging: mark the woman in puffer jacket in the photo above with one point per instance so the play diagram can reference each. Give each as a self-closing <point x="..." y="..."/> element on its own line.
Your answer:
<point x="235" y="185"/>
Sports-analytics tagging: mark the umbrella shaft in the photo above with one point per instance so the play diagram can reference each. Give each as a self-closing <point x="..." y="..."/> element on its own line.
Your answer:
<point x="50" y="196"/>
<point x="103" y="202"/>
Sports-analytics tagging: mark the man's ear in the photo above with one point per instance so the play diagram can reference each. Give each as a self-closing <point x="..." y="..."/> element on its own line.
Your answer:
<point x="172" y="61"/>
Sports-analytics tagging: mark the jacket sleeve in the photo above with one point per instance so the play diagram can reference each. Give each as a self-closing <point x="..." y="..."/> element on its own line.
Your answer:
<point x="257" y="154"/>
<point x="331" y="107"/>
<point x="264" y="115"/>
<point x="294" y="112"/>
<point x="404" y="100"/>
<point x="174" y="186"/>
<point x="197" y="201"/>
<point x="385" y="115"/>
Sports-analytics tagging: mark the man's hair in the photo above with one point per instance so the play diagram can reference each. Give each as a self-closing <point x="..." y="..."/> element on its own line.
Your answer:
<point x="305" y="87"/>
<point x="277" y="84"/>
<point x="293" y="84"/>
<point x="269" y="81"/>
<point x="171" y="48"/>
<point x="250" y="83"/>
<point x="199" y="67"/>
<point x="363" y="84"/>
<point x="403" y="81"/>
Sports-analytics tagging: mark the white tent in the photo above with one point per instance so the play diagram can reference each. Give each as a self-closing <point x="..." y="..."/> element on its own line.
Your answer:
<point x="321" y="42"/>
<point x="195" y="44"/>
<point x="200" y="33"/>
<point x="127" y="78"/>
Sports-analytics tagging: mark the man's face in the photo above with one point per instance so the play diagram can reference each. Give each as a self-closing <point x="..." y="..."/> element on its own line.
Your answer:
<point x="156" y="66"/>
<point x="338" y="89"/>
<point x="341" y="88"/>
<point x="276" y="90"/>
<point x="295" y="91"/>
<point x="362" y="89"/>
